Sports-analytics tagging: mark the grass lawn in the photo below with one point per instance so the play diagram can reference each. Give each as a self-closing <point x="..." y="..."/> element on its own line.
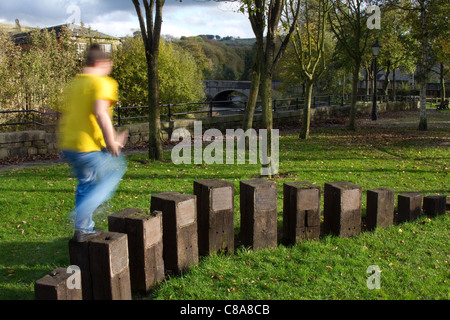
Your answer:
<point x="392" y="153"/>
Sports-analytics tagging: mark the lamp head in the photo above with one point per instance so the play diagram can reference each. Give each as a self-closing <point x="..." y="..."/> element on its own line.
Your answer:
<point x="376" y="47"/>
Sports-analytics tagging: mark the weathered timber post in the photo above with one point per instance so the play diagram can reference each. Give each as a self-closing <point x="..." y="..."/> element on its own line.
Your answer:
<point x="380" y="208"/>
<point x="215" y="215"/>
<point x="79" y="255"/>
<point x="145" y="245"/>
<point x="409" y="206"/>
<point x="103" y="261"/>
<point x="301" y="211"/>
<point x="342" y="208"/>
<point x="57" y="285"/>
<point x="258" y="204"/>
<point x="434" y="205"/>
<point x="109" y="266"/>
<point x="180" y="238"/>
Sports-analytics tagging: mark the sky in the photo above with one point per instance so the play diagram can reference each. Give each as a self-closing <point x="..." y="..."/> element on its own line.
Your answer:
<point x="118" y="17"/>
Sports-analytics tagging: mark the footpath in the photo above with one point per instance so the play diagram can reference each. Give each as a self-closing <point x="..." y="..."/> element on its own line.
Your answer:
<point x="386" y="119"/>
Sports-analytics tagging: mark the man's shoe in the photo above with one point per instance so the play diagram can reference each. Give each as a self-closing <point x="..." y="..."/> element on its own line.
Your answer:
<point x="81" y="236"/>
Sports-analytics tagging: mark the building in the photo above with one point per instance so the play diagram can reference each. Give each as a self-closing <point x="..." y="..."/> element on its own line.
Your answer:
<point x="81" y="35"/>
<point x="402" y="82"/>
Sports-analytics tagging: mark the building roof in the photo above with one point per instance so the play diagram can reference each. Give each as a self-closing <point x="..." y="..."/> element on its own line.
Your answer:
<point x="76" y="30"/>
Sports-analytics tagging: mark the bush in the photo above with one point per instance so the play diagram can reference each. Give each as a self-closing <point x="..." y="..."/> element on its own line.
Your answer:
<point x="180" y="81"/>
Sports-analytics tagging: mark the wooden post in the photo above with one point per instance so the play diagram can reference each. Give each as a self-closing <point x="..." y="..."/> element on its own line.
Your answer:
<point x="409" y="206"/>
<point x="145" y="245"/>
<point x="180" y="239"/>
<point x="380" y="208"/>
<point x="434" y="205"/>
<point x="342" y="208"/>
<point x="301" y="211"/>
<point x="79" y="255"/>
<point x="258" y="204"/>
<point x="103" y="261"/>
<point x="58" y="285"/>
<point x="215" y="214"/>
<point x="110" y="272"/>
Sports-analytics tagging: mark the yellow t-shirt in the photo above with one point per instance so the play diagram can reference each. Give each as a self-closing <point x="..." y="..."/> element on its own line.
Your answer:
<point x="78" y="128"/>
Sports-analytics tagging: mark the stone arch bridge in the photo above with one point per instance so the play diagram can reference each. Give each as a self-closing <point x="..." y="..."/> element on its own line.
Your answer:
<point x="223" y="90"/>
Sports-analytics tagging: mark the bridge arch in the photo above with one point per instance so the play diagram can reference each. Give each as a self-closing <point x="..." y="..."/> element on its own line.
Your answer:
<point x="221" y="90"/>
<point x="229" y="95"/>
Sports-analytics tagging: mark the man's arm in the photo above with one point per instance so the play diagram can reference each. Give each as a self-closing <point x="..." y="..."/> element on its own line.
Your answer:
<point x="101" y="111"/>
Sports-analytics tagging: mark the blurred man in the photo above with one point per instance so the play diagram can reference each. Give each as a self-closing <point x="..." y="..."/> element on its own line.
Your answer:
<point x="88" y="140"/>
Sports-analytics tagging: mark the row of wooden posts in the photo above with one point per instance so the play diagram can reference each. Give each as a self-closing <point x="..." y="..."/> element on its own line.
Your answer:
<point x="139" y="248"/>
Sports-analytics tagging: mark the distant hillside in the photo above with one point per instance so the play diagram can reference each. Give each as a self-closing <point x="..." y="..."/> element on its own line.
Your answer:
<point x="228" y="40"/>
<point x="12" y="28"/>
<point x="239" y="42"/>
<point x="229" y="58"/>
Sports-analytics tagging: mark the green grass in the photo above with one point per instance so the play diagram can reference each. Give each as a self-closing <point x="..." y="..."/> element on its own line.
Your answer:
<point x="413" y="256"/>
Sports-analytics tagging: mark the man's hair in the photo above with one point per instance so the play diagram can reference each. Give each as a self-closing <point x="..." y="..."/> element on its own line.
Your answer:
<point x="94" y="54"/>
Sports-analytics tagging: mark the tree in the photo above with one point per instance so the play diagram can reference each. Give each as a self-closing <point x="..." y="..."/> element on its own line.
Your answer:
<point x="309" y="46"/>
<point x="180" y="78"/>
<point x="440" y="42"/>
<point x="265" y="18"/>
<point x="151" y="34"/>
<point x="130" y="71"/>
<point x="398" y="47"/>
<point x="349" y="24"/>
<point x="9" y="61"/>
<point x="398" y="44"/>
<point x="419" y="13"/>
<point x="196" y="49"/>
<point x="33" y="77"/>
<point x="429" y="19"/>
<point x="422" y="6"/>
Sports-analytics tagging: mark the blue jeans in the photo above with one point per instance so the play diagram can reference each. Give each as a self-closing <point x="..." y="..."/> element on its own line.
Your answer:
<point x="98" y="174"/>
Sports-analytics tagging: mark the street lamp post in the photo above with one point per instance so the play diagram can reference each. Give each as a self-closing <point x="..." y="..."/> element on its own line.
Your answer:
<point x="375" y="51"/>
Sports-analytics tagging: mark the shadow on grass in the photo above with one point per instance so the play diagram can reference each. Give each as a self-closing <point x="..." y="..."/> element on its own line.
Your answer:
<point x="22" y="263"/>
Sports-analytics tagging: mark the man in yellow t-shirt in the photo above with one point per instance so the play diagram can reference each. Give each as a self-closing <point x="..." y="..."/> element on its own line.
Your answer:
<point x="88" y="140"/>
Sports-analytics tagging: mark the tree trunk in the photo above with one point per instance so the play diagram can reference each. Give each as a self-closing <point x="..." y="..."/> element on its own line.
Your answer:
<point x="267" y="115"/>
<point x="306" y="117"/>
<point x="266" y="101"/>
<point x="386" y="81"/>
<point x="367" y="82"/>
<point x="252" y="99"/>
<point x="155" y="150"/>
<point x="442" y="82"/>
<point x="355" y="79"/>
<point x="394" y="91"/>
<point x="423" y="123"/>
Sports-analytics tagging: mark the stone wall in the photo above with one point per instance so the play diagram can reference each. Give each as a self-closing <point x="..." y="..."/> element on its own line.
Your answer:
<point x="27" y="143"/>
<point x="139" y="132"/>
<point x="39" y="142"/>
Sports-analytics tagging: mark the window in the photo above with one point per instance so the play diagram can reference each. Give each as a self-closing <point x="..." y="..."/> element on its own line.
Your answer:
<point x="106" y="47"/>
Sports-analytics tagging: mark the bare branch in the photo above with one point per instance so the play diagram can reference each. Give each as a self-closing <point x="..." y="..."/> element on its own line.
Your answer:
<point x="141" y="23"/>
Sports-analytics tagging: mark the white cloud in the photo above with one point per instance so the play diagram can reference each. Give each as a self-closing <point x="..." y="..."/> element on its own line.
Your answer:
<point x="217" y="19"/>
<point x="117" y="23"/>
<point x="118" y="17"/>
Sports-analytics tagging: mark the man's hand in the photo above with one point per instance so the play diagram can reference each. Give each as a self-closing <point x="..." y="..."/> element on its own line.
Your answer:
<point x="114" y="141"/>
<point x="114" y="148"/>
<point x="122" y="137"/>
<point x="119" y="142"/>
